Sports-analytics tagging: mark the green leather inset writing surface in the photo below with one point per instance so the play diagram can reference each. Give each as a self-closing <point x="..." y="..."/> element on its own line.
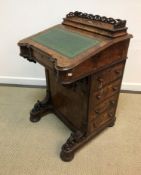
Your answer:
<point x="65" y="42"/>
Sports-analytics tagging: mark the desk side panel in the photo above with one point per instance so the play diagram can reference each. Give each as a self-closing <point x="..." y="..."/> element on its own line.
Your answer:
<point x="70" y="102"/>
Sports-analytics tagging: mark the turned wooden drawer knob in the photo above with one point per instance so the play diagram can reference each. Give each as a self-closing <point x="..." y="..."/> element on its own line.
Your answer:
<point x="97" y="112"/>
<point x="110" y="114"/>
<point x="98" y="97"/>
<point x="101" y="80"/>
<point x="115" y="88"/>
<point x="112" y="102"/>
<point x="117" y="72"/>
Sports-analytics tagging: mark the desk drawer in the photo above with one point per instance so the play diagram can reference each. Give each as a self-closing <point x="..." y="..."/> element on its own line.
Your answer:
<point x="108" y="104"/>
<point x="43" y="59"/>
<point x="108" y="75"/>
<point x="107" y="91"/>
<point x="101" y="119"/>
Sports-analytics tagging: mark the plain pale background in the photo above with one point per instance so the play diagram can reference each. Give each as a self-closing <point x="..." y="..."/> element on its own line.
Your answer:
<point x="22" y="18"/>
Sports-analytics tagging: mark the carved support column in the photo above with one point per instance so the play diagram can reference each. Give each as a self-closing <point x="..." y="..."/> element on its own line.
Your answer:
<point x="43" y="107"/>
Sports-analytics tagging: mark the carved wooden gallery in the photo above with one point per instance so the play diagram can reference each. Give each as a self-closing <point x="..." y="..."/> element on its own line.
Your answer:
<point x="84" y="59"/>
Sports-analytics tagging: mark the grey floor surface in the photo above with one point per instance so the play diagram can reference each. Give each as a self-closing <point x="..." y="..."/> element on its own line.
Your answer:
<point x="33" y="148"/>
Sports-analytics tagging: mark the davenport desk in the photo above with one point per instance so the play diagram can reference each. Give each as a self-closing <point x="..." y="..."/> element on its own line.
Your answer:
<point x="84" y="59"/>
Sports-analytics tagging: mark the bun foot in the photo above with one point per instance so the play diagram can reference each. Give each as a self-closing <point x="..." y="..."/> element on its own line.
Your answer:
<point x="35" y="118"/>
<point x="112" y="123"/>
<point x="66" y="156"/>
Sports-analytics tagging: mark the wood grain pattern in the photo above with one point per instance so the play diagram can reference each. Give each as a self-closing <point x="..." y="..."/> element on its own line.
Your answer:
<point x="63" y="63"/>
<point x="83" y="92"/>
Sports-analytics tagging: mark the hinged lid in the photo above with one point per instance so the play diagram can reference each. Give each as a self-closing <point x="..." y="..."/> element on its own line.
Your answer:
<point x="80" y="37"/>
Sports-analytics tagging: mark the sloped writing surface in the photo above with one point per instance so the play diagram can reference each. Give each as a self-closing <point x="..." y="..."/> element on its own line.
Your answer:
<point x="67" y="43"/>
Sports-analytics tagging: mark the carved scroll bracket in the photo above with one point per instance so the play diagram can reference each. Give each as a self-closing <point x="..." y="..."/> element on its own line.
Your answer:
<point x="27" y="52"/>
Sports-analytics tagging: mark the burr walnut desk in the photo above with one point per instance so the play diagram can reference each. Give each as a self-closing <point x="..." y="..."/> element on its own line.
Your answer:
<point x="84" y="59"/>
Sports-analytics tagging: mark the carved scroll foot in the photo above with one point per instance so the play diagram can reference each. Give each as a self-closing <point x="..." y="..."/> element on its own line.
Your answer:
<point x="71" y="145"/>
<point x="112" y="123"/>
<point x="34" y="118"/>
<point x="40" y="109"/>
<point x="67" y="157"/>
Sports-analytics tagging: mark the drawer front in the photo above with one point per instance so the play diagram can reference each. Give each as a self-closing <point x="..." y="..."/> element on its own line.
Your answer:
<point x="109" y="104"/>
<point x="107" y="91"/>
<point x="43" y="59"/>
<point x="101" y="119"/>
<point x="106" y="76"/>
